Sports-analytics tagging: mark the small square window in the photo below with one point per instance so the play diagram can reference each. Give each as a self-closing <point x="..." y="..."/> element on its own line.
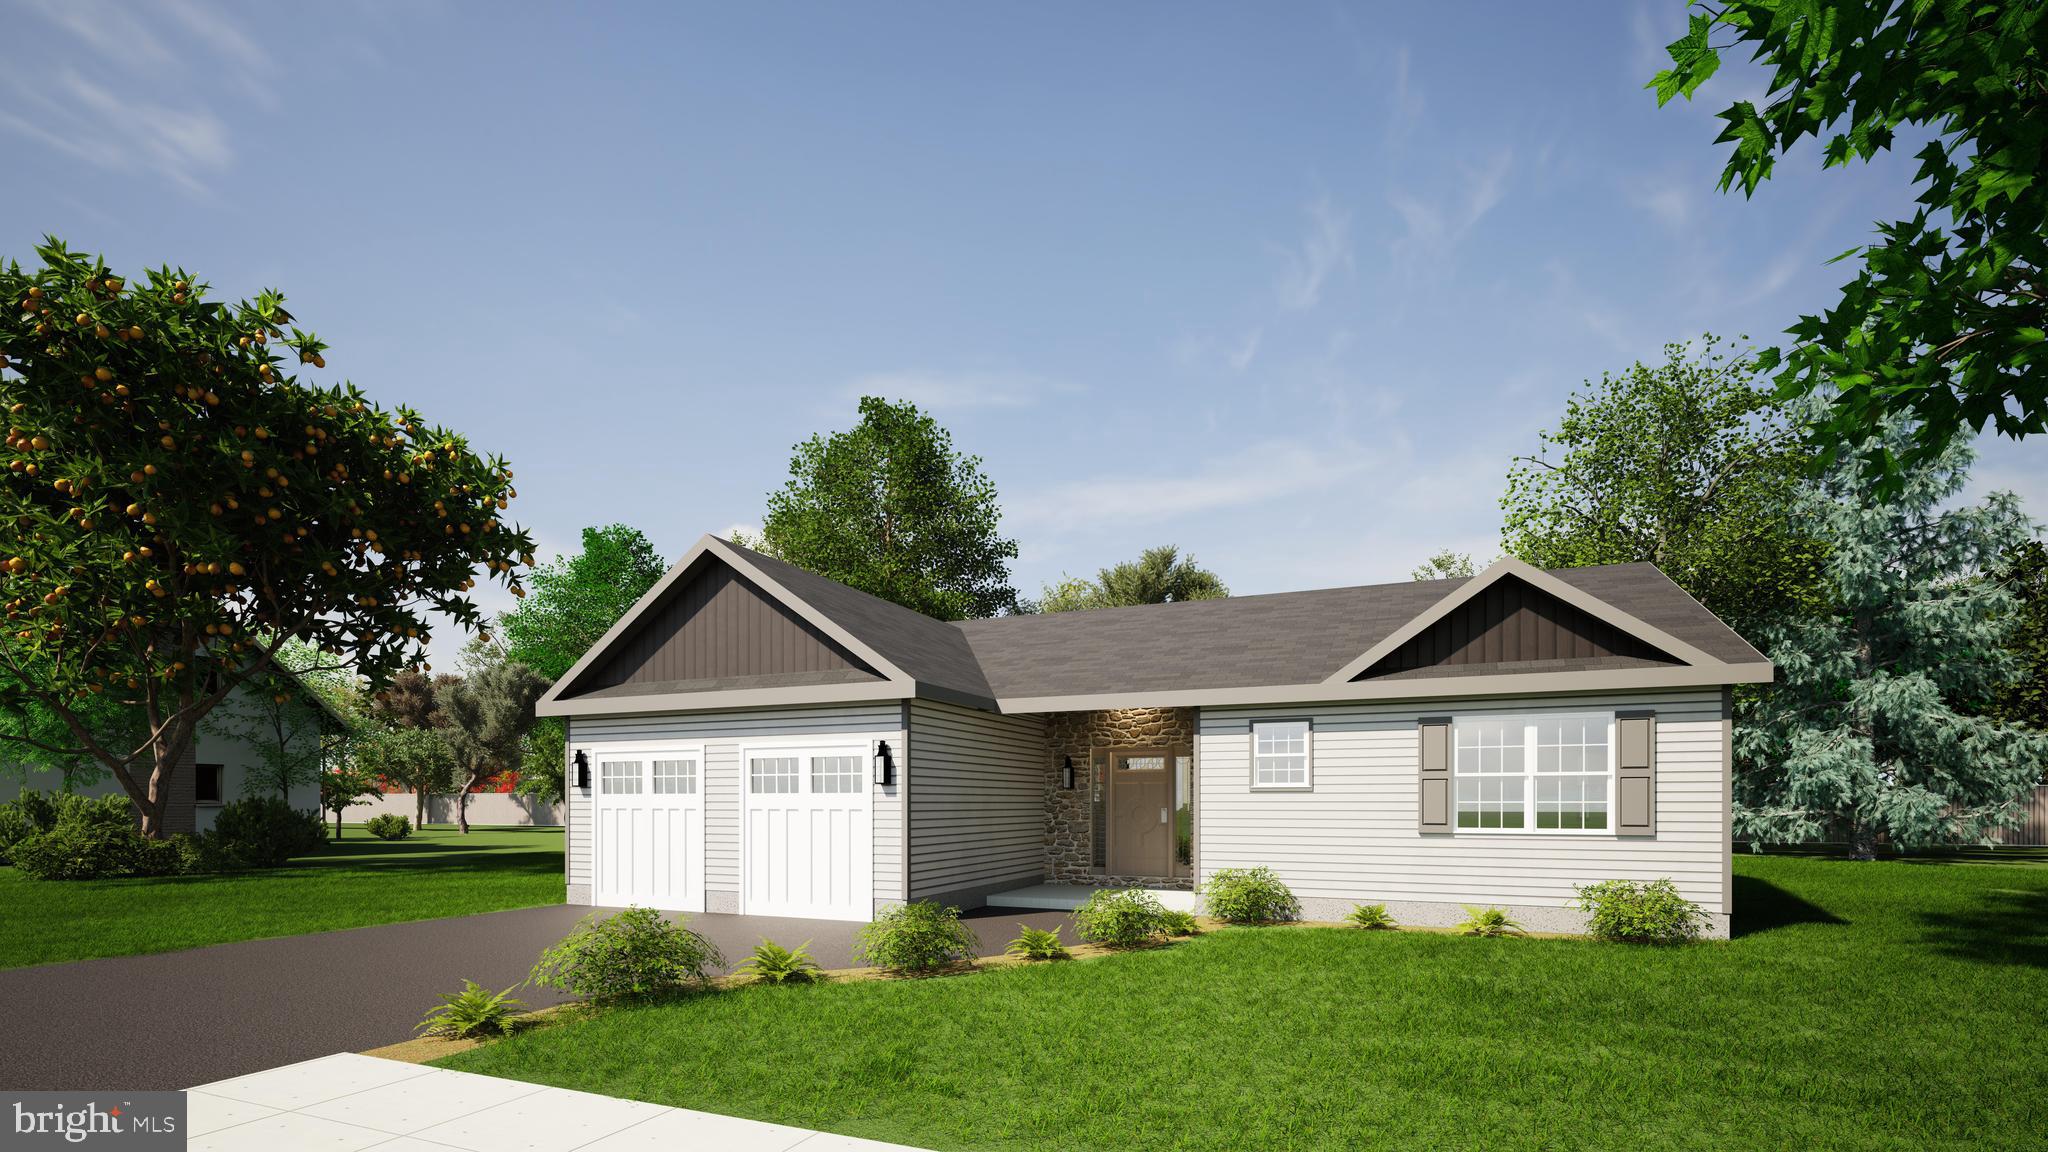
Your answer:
<point x="207" y="783"/>
<point x="1280" y="754"/>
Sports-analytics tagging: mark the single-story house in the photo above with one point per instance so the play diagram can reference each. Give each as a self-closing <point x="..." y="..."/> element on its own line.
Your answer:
<point x="231" y="756"/>
<point x="752" y="737"/>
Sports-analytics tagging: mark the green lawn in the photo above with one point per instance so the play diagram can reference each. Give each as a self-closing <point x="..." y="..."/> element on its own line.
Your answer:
<point x="1893" y="1005"/>
<point x="347" y="884"/>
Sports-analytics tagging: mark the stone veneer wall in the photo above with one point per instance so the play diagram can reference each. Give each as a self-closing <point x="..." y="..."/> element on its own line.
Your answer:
<point x="1069" y="815"/>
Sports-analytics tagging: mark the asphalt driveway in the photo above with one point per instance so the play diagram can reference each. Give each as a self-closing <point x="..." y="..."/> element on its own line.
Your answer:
<point x="180" y="1018"/>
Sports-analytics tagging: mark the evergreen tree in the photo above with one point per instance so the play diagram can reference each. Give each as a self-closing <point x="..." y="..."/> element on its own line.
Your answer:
<point x="1873" y="728"/>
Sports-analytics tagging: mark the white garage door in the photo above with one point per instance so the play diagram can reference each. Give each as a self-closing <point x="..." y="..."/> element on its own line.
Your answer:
<point x="649" y="811"/>
<point x="808" y="845"/>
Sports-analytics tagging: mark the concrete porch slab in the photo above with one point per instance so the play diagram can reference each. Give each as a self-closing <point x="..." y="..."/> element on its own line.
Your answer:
<point x="1067" y="897"/>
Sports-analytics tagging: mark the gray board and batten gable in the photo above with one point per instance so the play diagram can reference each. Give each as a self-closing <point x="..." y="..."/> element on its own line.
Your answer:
<point x="730" y="627"/>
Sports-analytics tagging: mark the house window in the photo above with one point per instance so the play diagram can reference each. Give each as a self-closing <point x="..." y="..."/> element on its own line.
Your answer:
<point x="675" y="777"/>
<point x="1280" y="754"/>
<point x="206" y="785"/>
<point x="1534" y="773"/>
<point x="772" y="774"/>
<point x="619" y="777"/>
<point x="835" y="773"/>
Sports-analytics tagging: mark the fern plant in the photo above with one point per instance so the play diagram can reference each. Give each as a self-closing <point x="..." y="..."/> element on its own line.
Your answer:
<point x="1370" y="916"/>
<point x="474" y="1011"/>
<point x="1489" y="922"/>
<point x="1037" y="944"/>
<point x="771" y="963"/>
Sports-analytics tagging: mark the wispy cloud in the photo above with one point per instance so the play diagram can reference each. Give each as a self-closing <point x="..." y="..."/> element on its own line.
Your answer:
<point x="92" y="123"/>
<point x="1406" y="114"/>
<point x="1260" y="474"/>
<point x="115" y="90"/>
<point x="1325" y="248"/>
<point x="1433" y="226"/>
<point x="957" y="390"/>
<point x="1672" y="201"/>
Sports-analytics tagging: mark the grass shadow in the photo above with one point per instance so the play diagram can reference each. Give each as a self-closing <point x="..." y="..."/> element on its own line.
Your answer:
<point x="2006" y="928"/>
<point x="1761" y="906"/>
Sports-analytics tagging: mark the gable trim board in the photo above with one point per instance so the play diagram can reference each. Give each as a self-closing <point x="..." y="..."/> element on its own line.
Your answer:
<point x="713" y="546"/>
<point x="1543" y="581"/>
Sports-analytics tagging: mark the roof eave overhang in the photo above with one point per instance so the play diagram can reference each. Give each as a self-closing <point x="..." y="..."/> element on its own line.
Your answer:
<point x="1434" y="688"/>
<point x="729" y="700"/>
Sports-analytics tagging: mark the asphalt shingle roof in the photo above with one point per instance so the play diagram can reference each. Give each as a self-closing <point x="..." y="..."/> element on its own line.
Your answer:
<point x="1242" y="641"/>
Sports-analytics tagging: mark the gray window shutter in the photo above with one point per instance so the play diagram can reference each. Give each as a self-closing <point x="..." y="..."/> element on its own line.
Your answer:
<point x="1635" y="773"/>
<point x="1434" y="775"/>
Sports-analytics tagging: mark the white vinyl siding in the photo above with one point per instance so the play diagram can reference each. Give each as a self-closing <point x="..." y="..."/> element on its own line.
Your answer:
<point x="977" y="798"/>
<point x="1355" y="836"/>
<point x="576" y="818"/>
<point x="722" y="734"/>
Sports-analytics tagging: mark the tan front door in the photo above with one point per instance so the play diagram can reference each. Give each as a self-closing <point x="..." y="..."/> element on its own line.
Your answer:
<point x="1141" y="814"/>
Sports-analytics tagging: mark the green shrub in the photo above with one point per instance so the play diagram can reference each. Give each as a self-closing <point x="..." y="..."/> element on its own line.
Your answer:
<point x="1036" y="944"/>
<point x="1652" y="913"/>
<point x="1249" y="896"/>
<point x="1175" y="922"/>
<point x="632" y="954"/>
<point x="474" y="1011"/>
<point x="15" y="826"/>
<point x="1488" y="922"/>
<point x="262" y="832"/>
<point x="35" y="812"/>
<point x="80" y="851"/>
<point x="920" y="937"/>
<point x="771" y="963"/>
<point x="389" y="826"/>
<point x="1120" y="918"/>
<point x="1370" y="916"/>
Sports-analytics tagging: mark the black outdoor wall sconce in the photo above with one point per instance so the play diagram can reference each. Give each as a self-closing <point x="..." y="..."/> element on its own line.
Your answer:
<point x="885" y="763"/>
<point x="582" y="769"/>
<point x="1067" y="773"/>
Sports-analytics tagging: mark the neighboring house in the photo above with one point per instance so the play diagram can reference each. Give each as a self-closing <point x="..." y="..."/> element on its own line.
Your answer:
<point x="219" y="767"/>
<point x="755" y="738"/>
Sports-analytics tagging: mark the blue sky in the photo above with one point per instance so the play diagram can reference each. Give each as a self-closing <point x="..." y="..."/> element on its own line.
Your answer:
<point x="1285" y="285"/>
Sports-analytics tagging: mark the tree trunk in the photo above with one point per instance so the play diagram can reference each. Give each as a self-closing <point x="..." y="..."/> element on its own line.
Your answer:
<point x="419" y="809"/>
<point x="462" y="811"/>
<point x="337" y="823"/>
<point x="155" y="803"/>
<point x="1862" y="841"/>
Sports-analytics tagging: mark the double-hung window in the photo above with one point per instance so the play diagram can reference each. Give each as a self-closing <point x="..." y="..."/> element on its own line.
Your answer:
<point x="1534" y="773"/>
<point x="1281" y="756"/>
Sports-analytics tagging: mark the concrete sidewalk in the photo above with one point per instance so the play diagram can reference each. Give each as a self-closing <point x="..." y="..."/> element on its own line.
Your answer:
<point x="347" y="1102"/>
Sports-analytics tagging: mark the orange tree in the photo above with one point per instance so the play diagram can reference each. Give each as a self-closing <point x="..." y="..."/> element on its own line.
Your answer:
<point x="177" y="506"/>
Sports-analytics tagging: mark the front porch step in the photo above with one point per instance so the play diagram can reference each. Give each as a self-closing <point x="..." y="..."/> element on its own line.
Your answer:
<point x="1067" y="897"/>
